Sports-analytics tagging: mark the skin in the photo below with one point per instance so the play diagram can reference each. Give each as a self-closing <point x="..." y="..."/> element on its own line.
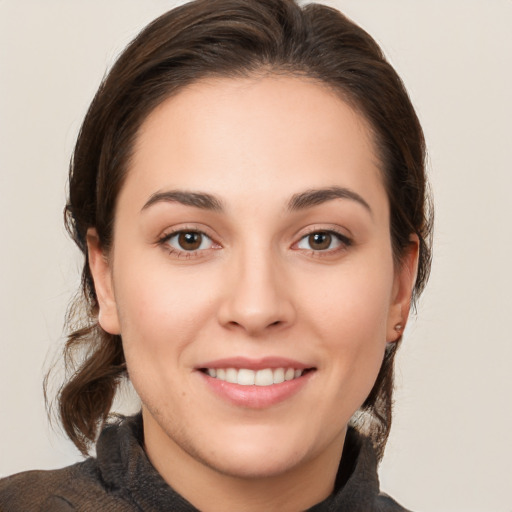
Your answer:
<point x="256" y="287"/>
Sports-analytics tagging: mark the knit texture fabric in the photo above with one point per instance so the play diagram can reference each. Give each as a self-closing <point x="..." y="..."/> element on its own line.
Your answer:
<point x="121" y="479"/>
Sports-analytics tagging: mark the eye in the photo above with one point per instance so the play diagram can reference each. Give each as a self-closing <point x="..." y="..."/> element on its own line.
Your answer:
<point x="322" y="241"/>
<point x="188" y="241"/>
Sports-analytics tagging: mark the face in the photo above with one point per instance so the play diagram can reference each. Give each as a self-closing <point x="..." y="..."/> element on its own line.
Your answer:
<point x="251" y="276"/>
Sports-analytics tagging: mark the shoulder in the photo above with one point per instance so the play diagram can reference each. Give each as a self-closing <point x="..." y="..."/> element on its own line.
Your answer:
<point x="76" y="487"/>
<point x="385" y="503"/>
<point x="31" y="490"/>
<point x="101" y="483"/>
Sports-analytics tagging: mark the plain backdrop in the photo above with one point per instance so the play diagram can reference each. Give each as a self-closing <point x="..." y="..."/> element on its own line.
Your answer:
<point x="451" y="447"/>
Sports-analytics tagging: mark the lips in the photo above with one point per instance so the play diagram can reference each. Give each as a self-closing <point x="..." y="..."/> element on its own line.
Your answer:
<point x="253" y="383"/>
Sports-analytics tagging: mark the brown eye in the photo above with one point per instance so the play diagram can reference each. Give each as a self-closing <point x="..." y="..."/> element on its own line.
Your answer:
<point x="189" y="241"/>
<point x="320" y="241"/>
<point x="323" y="241"/>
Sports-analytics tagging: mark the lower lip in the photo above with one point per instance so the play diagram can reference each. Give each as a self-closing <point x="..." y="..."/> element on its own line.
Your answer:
<point x="256" y="397"/>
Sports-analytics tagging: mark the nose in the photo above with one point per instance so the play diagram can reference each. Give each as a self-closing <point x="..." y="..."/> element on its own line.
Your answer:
<point x="258" y="295"/>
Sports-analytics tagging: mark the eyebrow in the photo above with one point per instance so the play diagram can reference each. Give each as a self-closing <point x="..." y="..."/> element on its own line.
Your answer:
<point x="196" y="199"/>
<point x="315" y="197"/>
<point x="300" y="201"/>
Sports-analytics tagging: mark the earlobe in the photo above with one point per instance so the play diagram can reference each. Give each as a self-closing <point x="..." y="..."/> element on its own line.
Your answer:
<point x="405" y="279"/>
<point x="102" y="277"/>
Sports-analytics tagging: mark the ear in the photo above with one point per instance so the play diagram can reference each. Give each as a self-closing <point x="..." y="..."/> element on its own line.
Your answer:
<point x="404" y="280"/>
<point x="102" y="277"/>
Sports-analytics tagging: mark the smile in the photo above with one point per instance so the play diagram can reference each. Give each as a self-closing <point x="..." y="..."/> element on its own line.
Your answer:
<point x="248" y="377"/>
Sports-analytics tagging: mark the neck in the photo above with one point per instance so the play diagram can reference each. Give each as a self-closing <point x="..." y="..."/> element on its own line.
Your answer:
<point x="208" y="489"/>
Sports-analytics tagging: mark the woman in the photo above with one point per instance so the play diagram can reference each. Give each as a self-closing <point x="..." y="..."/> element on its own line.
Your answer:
<point x="248" y="190"/>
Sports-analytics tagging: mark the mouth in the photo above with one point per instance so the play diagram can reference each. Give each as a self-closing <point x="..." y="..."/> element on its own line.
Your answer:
<point x="262" y="377"/>
<point x="256" y="384"/>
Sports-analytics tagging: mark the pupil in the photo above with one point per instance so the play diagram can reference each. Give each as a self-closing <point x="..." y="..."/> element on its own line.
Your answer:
<point x="189" y="241"/>
<point x="320" y="241"/>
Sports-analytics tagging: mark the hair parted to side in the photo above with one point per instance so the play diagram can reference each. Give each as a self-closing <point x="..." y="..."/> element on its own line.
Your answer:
<point x="230" y="38"/>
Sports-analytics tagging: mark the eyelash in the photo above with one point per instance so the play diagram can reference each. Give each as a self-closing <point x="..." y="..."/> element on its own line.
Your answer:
<point x="343" y="241"/>
<point x="183" y="253"/>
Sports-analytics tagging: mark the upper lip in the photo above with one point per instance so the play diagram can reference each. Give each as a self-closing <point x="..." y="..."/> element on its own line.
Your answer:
<point x="255" y="364"/>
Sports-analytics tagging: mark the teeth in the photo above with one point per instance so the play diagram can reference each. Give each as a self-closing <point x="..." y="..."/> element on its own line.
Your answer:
<point x="278" y="375"/>
<point x="231" y="376"/>
<point x="264" y="378"/>
<point x="246" y="377"/>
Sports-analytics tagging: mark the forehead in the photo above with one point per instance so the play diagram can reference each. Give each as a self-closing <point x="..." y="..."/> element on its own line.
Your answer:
<point x="253" y="135"/>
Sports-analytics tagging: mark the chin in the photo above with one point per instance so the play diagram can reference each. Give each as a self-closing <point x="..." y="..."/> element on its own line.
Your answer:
<point x="257" y="464"/>
<point x="259" y="451"/>
<point x="247" y="451"/>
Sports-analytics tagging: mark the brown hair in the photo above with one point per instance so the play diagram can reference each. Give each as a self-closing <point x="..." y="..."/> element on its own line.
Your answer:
<point x="230" y="38"/>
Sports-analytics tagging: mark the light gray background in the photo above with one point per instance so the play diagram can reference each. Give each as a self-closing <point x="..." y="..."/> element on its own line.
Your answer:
<point x="450" y="448"/>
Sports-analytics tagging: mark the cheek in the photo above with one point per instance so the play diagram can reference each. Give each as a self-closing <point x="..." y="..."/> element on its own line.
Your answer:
<point x="349" y="314"/>
<point x="160" y="319"/>
<point x="160" y="314"/>
<point x="351" y="300"/>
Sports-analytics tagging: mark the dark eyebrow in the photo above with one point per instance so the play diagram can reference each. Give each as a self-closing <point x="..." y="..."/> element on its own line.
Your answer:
<point x="314" y="197"/>
<point x="196" y="199"/>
